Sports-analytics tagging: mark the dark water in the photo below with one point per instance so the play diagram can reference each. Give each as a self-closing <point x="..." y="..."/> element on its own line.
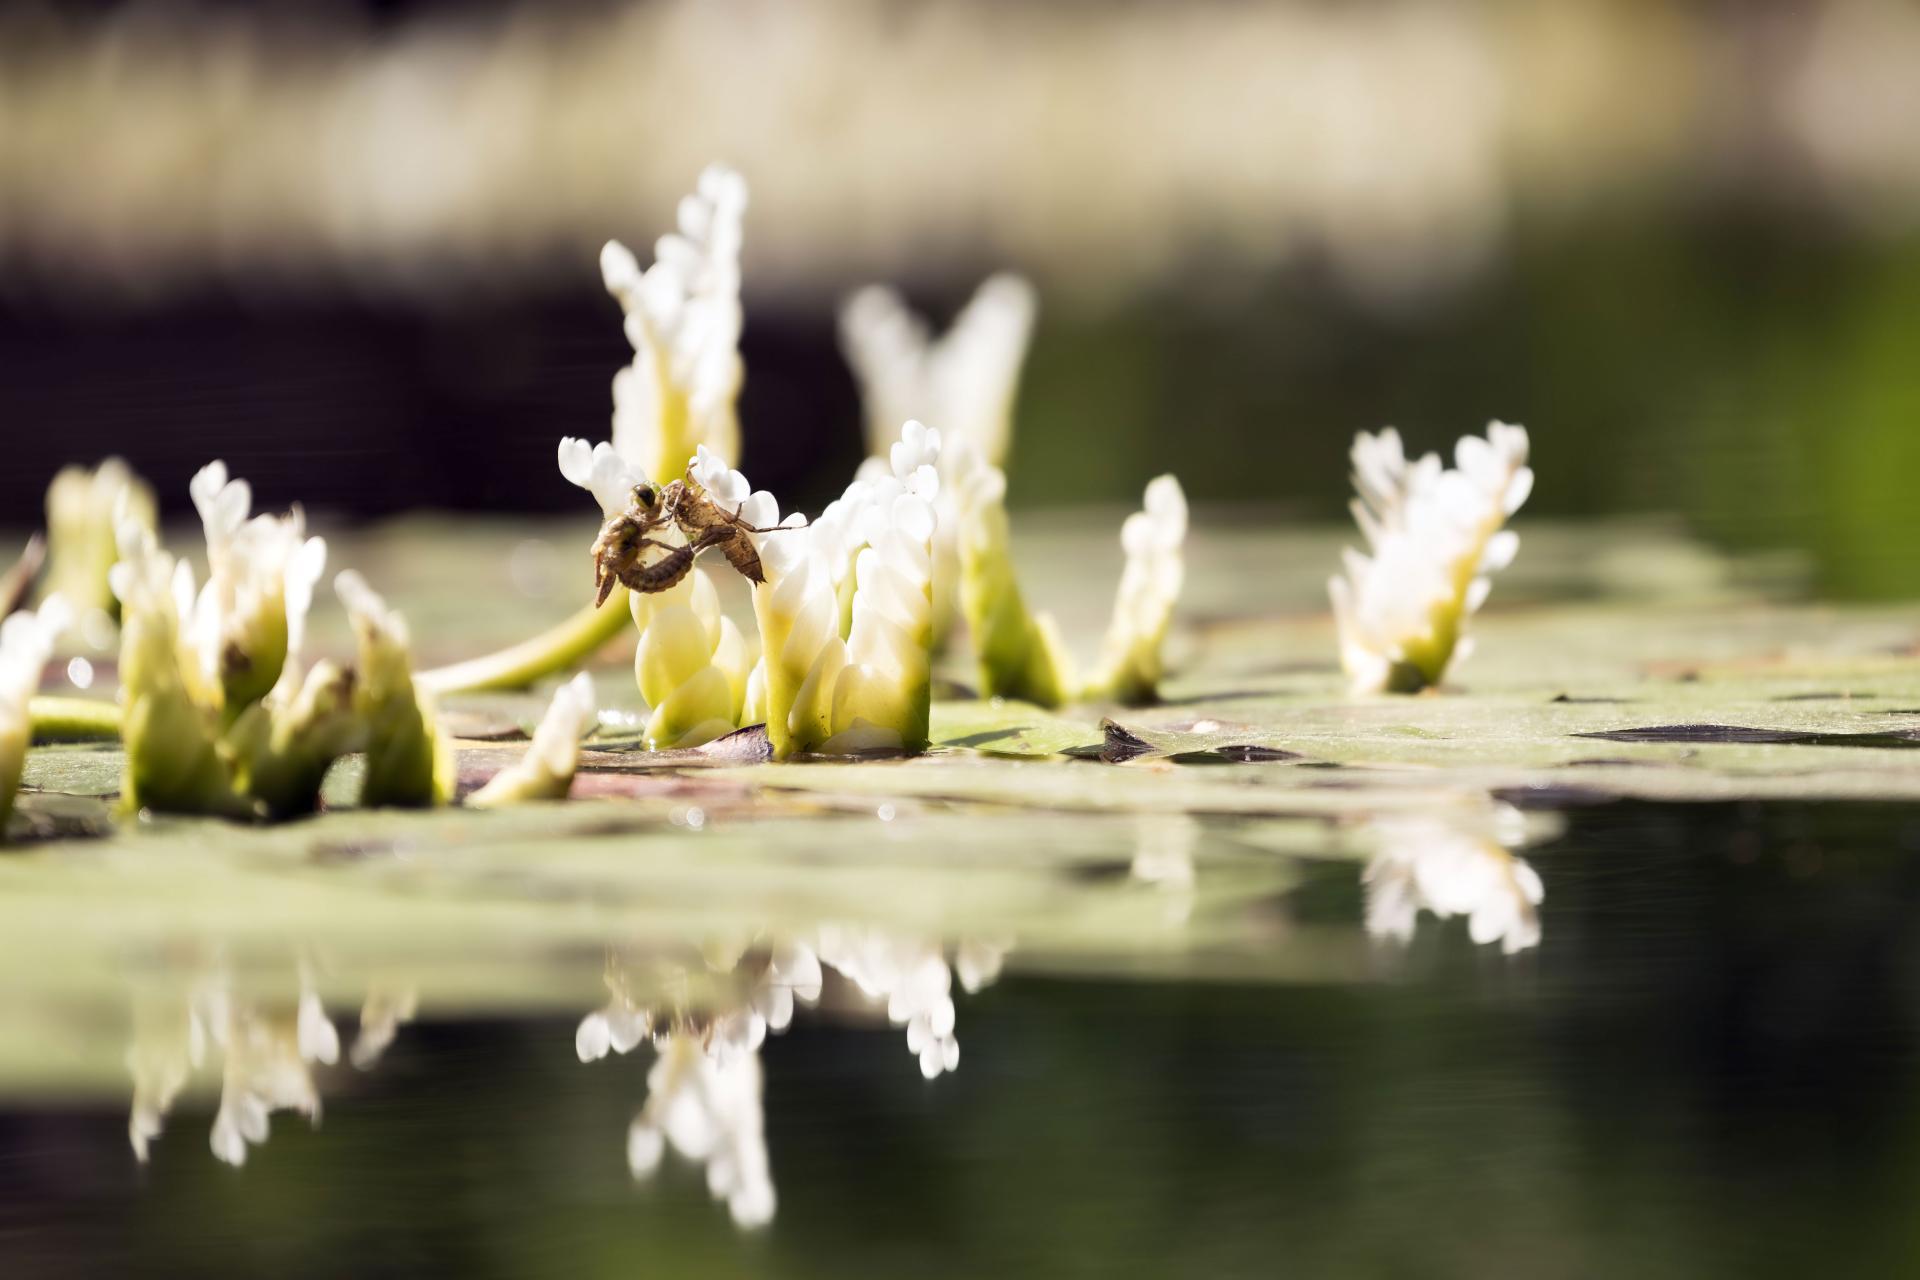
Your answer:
<point x="1709" y="1066"/>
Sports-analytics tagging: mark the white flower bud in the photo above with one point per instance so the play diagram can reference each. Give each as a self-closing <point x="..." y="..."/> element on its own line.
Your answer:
<point x="84" y="509"/>
<point x="683" y="318"/>
<point x="1130" y="658"/>
<point x="546" y="771"/>
<point x="1433" y="536"/>
<point x="1454" y="863"/>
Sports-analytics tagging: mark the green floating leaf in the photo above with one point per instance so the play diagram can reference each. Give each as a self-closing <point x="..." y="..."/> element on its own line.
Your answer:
<point x="1003" y="727"/>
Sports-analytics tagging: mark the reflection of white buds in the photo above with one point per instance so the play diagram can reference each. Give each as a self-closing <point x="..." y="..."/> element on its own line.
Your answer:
<point x="1434" y="536"/>
<point x="1456" y="863"/>
<point x="266" y="1060"/>
<point x="705" y="1088"/>
<point x="266" y="1070"/>
<point x="709" y="1107"/>
<point x="914" y="982"/>
<point x="618" y="1028"/>
<point x="381" y="1014"/>
<point x="314" y="1032"/>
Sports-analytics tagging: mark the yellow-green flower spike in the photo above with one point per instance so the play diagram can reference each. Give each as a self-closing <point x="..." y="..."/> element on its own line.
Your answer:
<point x="83" y="511"/>
<point x="546" y="771"/>
<point x="882" y="698"/>
<point x="261" y="572"/>
<point x="1131" y="661"/>
<point x="1019" y="654"/>
<point x="410" y="762"/>
<point x="172" y="722"/>
<point x="691" y="663"/>
<point x="283" y="745"/>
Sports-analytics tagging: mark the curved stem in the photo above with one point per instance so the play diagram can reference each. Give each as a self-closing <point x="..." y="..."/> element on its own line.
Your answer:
<point x="74" y="719"/>
<point x="60" y="719"/>
<point x="556" y="649"/>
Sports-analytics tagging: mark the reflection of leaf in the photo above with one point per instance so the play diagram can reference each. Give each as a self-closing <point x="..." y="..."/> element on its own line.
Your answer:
<point x="1703" y="733"/>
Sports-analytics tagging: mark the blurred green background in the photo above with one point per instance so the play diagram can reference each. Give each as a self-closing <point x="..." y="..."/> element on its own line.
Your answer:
<point x="1761" y="380"/>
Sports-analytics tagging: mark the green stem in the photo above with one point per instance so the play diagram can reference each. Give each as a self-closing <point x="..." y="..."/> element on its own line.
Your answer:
<point x="561" y="647"/>
<point x="74" y="720"/>
<point x="57" y="719"/>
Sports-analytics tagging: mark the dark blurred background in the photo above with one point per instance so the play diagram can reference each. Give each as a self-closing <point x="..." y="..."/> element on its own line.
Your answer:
<point x="352" y="248"/>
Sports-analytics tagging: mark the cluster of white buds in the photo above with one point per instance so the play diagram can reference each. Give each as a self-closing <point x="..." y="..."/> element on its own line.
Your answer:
<point x="26" y="642"/>
<point x="84" y="508"/>
<point x="834" y="680"/>
<point x="962" y="382"/>
<point x="1459" y="862"/>
<point x="882" y="699"/>
<point x="221" y="717"/>
<point x="1434" y="536"/>
<point x="248" y="621"/>
<point x="683" y="318"/>
<point x="691" y="663"/>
